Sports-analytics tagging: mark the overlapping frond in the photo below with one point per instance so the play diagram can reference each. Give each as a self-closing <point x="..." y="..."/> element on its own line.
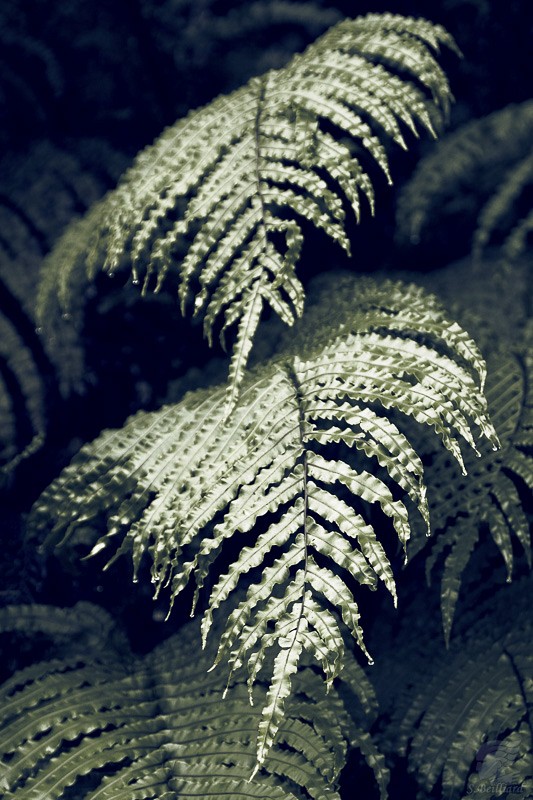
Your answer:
<point x="484" y="168"/>
<point x="500" y="212"/>
<point x="41" y="192"/>
<point x="224" y="195"/>
<point x="301" y="477"/>
<point x="495" y="496"/>
<point x="464" y="721"/>
<point x="100" y="723"/>
<point x="493" y="493"/>
<point x="22" y="398"/>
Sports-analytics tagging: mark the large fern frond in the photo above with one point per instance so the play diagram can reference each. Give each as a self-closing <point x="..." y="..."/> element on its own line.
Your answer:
<point x="181" y="482"/>
<point x="224" y="193"/>
<point x="100" y="723"/>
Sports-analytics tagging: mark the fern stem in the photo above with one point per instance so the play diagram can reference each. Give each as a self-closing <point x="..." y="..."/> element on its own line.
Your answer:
<point x="258" y="156"/>
<point x="261" y="751"/>
<point x="520" y="682"/>
<point x="302" y="436"/>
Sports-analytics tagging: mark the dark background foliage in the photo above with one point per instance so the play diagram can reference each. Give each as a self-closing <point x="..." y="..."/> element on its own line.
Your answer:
<point x="85" y="84"/>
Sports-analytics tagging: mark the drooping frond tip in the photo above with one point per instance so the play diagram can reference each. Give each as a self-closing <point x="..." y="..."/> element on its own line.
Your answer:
<point x="312" y="454"/>
<point x="224" y="195"/>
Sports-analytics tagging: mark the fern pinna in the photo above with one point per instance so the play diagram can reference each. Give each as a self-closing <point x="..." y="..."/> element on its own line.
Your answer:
<point x="223" y="194"/>
<point x="94" y="721"/>
<point x="180" y="482"/>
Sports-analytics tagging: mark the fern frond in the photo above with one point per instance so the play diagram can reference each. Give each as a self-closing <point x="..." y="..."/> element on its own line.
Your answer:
<point x="473" y="703"/>
<point x="482" y="169"/>
<point x="41" y="192"/>
<point x="500" y="205"/>
<point x="181" y="482"/>
<point x="224" y="194"/>
<point x="104" y="724"/>
<point x="494" y="496"/>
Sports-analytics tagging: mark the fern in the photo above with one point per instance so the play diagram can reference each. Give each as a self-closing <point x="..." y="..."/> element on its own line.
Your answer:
<point x="500" y="206"/>
<point x="491" y="494"/>
<point x="104" y="724"/>
<point x="486" y="163"/>
<point x="470" y="706"/>
<point x="226" y="190"/>
<point x="494" y="497"/>
<point x="181" y="482"/>
<point x="41" y="193"/>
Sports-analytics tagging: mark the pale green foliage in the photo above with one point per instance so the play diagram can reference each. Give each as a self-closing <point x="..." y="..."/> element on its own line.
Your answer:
<point x="486" y="163"/>
<point x="308" y="468"/>
<point x="471" y="701"/>
<point x="117" y="727"/>
<point x="223" y="195"/>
